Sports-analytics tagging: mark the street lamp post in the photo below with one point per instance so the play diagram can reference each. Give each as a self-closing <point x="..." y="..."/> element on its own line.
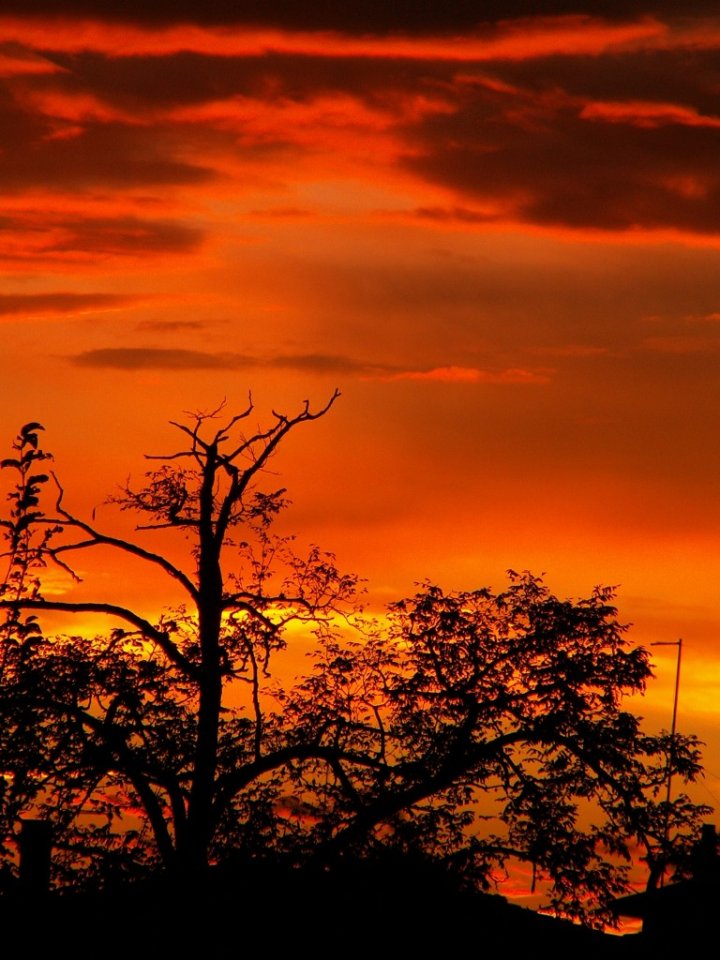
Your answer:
<point x="671" y="754"/>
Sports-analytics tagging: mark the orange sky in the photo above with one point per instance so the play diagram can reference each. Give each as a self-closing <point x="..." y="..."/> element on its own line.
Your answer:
<point x="500" y="239"/>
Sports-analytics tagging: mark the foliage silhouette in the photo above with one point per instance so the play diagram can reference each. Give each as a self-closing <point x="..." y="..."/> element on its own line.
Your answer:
<point x="474" y="728"/>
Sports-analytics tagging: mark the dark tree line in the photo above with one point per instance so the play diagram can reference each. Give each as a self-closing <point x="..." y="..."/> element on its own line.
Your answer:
<point x="474" y="728"/>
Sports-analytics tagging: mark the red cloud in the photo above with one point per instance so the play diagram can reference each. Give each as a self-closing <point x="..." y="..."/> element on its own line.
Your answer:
<point x="507" y="40"/>
<point x="647" y="114"/>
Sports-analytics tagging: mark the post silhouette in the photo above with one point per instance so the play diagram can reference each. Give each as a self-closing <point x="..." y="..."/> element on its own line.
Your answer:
<point x="35" y="857"/>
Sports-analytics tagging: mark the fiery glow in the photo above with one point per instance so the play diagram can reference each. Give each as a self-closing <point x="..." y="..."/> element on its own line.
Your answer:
<point x="498" y="238"/>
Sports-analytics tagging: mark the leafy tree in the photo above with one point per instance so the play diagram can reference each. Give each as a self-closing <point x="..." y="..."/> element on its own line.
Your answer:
<point x="473" y="728"/>
<point x="138" y="717"/>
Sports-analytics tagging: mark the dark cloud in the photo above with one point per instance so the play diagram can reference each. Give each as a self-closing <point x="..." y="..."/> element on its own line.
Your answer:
<point x="96" y="155"/>
<point x="166" y="80"/>
<point x="151" y="358"/>
<point x="686" y="75"/>
<point x="452" y="215"/>
<point x="187" y="78"/>
<point x="40" y="150"/>
<point x="134" y="358"/>
<point x="520" y="148"/>
<point x="541" y="161"/>
<point x="375" y="16"/>
<point x="522" y="145"/>
<point x="51" y="235"/>
<point x="61" y="302"/>
<point x="169" y="326"/>
<point x="127" y="236"/>
<point x="323" y="363"/>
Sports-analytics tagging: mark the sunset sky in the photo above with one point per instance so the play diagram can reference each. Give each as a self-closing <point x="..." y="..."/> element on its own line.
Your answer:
<point x="498" y="234"/>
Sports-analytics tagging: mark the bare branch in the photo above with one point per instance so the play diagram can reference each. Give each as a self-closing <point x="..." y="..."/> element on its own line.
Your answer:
<point x="240" y="479"/>
<point x="115" y="740"/>
<point x="101" y="539"/>
<point x="232" y="782"/>
<point x="281" y="429"/>
<point x="112" y="610"/>
<point x="170" y="456"/>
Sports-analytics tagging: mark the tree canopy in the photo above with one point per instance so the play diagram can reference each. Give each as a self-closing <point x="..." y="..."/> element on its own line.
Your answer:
<point x="475" y="728"/>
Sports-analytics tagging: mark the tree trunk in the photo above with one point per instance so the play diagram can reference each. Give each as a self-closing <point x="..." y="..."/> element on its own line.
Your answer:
<point x="199" y="830"/>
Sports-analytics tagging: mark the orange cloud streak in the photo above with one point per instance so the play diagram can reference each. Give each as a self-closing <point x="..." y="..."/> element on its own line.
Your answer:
<point x="512" y="40"/>
<point x="25" y="64"/>
<point x="454" y="374"/>
<point x="647" y="115"/>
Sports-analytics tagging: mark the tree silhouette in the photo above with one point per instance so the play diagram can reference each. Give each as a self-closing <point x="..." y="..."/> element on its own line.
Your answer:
<point x="472" y="728"/>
